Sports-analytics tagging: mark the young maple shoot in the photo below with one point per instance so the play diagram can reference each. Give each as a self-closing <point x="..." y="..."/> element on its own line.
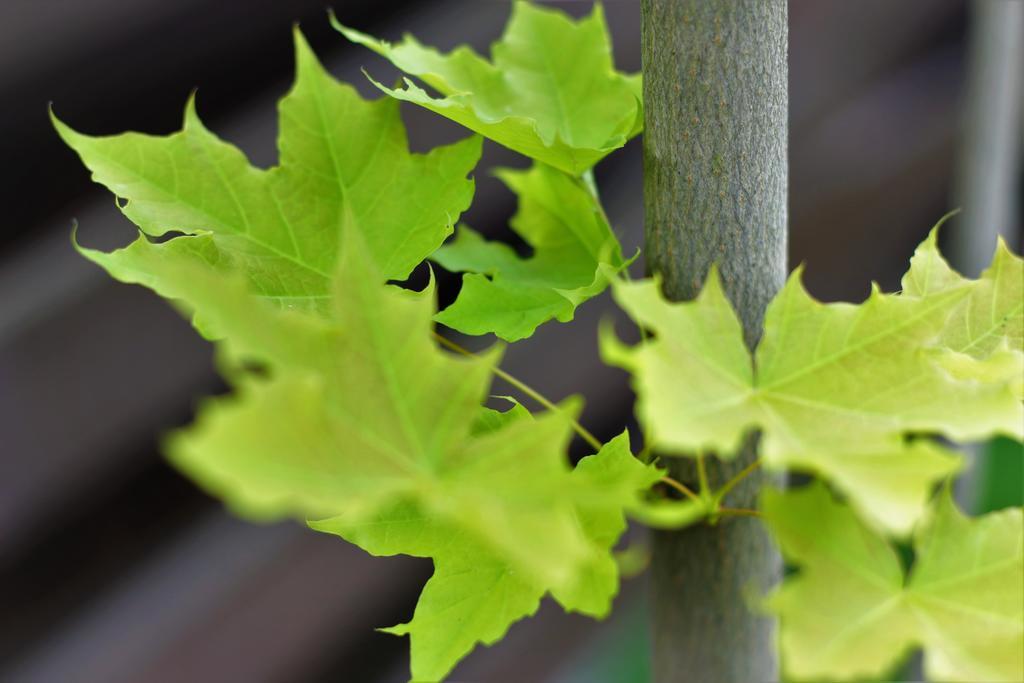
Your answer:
<point x="289" y="269"/>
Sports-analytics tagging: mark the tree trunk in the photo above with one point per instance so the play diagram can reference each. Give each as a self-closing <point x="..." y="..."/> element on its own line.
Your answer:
<point x="715" y="179"/>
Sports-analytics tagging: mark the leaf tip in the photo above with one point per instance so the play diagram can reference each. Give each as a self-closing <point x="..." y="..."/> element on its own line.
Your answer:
<point x="429" y="289"/>
<point x="349" y="33"/>
<point x="396" y="630"/>
<point x="68" y="134"/>
<point x="85" y="252"/>
<point x="52" y="114"/>
<point x="942" y="221"/>
<point x="597" y="16"/>
<point x="306" y="61"/>
<point x="191" y="118"/>
<point x="795" y="284"/>
<point x="381" y="47"/>
<point x="332" y="19"/>
<point x="1003" y="250"/>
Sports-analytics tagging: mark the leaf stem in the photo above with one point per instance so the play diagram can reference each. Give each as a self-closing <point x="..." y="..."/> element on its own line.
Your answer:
<point x="587" y="177"/>
<point x="702" y="475"/>
<point x="583" y="432"/>
<point x="590" y="184"/>
<point x="740" y="476"/>
<point x="682" y="488"/>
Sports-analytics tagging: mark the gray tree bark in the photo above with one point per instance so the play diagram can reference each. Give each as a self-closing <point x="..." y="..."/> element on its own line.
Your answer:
<point x="715" y="190"/>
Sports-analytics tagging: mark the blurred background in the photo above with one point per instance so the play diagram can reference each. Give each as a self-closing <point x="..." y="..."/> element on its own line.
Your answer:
<point x="114" y="568"/>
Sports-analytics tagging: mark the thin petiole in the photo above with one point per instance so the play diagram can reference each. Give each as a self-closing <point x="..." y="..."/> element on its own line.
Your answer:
<point x="583" y="432"/>
<point x="590" y="184"/>
<point x="740" y="476"/>
<point x="682" y="488"/>
<point x="702" y="475"/>
<point x="587" y="178"/>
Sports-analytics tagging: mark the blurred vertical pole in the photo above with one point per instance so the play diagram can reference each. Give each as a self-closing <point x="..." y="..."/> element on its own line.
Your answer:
<point x="715" y="191"/>
<point x="988" y="165"/>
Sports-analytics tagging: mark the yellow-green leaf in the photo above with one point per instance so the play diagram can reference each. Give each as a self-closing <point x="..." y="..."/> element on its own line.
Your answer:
<point x="836" y="388"/>
<point x="850" y="613"/>
<point x="344" y="164"/>
<point x="359" y="421"/>
<point x="983" y="338"/>
<point x="510" y="296"/>
<point x="550" y="90"/>
<point x="475" y="594"/>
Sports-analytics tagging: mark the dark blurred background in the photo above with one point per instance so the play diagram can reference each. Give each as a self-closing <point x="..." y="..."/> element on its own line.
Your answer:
<point x="114" y="568"/>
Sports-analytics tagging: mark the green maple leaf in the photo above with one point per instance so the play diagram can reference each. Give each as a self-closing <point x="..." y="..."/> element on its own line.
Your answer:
<point x="550" y="90"/>
<point x="609" y="483"/>
<point x="850" y="612"/>
<point x="350" y="420"/>
<point x="359" y="420"/>
<point x="984" y="336"/>
<point x="344" y="163"/>
<point x="510" y="296"/>
<point x="836" y="387"/>
<point x="474" y="596"/>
